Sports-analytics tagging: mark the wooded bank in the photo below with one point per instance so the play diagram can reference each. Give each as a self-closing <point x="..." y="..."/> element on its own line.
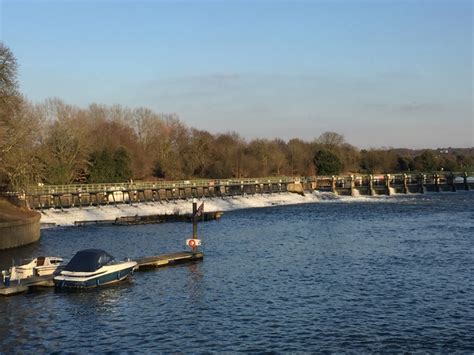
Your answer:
<point x="56" y="143"/>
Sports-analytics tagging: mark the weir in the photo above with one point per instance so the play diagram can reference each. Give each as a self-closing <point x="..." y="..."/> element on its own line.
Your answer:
<point x="65" y="196"/>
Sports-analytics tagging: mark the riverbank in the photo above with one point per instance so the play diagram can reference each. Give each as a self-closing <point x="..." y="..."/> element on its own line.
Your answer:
<point x="67" y="217"/>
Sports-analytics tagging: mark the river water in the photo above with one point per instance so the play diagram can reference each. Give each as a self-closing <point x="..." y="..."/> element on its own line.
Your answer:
<point x="378" y="274"/>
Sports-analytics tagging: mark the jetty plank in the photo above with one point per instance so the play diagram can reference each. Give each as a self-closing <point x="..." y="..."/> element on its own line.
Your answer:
<point x="169" y="259"/>
<point x="16" y="287"/>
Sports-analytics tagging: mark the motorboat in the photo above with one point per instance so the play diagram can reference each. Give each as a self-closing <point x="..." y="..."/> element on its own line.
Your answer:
<point x="93" y="268"/>
<point x="40" y="266"/>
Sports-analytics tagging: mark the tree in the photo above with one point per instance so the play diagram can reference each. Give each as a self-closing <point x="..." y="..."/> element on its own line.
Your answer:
<point x="102" y="167"/>
<point x="62" y="155"/>
<point x="122" y="165"/>
<point x="19" y="126"/>
<point x="300" y="156"/>
<point x="427" y="161"/>
<point x="378" y="161"/>
<point x="327" y="162"/>
<point x="158" y="170"/>
<point x="228" y="152"/>
<point x="109" y="165"/>
<point x="9" y="94"/>
<point x="405" y="163"/>
<point x="331" y="140"/>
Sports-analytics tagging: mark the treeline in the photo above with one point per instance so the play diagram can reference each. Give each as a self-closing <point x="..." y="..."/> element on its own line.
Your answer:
<point x="57" y="143"/>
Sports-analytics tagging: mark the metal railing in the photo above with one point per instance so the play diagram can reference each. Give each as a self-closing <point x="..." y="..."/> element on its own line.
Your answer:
<point x="207" y="183"/>
<point x="154" y="185"/>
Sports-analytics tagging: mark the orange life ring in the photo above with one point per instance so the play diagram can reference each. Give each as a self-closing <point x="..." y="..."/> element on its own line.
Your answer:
<point x="192" y="243"/>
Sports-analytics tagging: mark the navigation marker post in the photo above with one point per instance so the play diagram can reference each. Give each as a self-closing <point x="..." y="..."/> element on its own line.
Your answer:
<point x="197" y="212"/>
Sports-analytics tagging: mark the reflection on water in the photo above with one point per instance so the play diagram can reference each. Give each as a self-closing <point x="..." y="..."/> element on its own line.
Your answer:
<point x="384" y="275"/>
<point x="12" y="256"/>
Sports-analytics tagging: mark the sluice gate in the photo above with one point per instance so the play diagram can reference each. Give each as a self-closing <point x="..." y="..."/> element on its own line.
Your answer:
<point x="81" y="195"/>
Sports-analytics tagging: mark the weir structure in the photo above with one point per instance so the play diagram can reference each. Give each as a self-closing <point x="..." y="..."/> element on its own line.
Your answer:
<point x="64" y="196"/>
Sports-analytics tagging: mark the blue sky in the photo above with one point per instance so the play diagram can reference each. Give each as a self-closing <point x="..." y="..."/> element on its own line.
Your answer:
<point x="382" y="73"/>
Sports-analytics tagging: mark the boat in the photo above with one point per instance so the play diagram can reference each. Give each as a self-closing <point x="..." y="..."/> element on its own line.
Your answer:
<point x="93" y="268"/>
<point x="40" y="266"/>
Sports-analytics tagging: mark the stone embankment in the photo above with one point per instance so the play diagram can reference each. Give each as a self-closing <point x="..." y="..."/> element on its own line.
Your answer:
<point x="18" y="226"/>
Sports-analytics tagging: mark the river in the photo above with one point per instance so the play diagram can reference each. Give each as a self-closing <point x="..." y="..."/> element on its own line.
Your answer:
<point x="386" y="274"/>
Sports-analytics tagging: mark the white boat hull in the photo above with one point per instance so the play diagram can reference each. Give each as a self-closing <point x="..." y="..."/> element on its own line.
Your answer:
<point x="106" y="275"/>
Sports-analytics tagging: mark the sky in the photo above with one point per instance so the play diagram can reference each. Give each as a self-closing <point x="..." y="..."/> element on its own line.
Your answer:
<point x="382" y="73"/>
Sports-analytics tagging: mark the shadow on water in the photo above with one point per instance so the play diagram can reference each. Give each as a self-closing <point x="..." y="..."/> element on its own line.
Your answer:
<point x="24" y="252"/>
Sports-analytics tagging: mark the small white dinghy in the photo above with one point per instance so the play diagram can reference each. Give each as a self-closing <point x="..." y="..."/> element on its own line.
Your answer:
<point x="40" y="266"/>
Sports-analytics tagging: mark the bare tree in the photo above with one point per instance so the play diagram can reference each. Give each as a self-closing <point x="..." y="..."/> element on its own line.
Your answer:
<point x="331" y="140"/>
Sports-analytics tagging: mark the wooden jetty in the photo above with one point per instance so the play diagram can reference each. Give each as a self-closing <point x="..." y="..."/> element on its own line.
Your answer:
<point x="149" y="219"/>
<point x="18" y="286"/>
<point x="24" y="285"/>
<point x="152" y="219"/>
<point x="147" y="263"/>
<point x="168" y="259"/>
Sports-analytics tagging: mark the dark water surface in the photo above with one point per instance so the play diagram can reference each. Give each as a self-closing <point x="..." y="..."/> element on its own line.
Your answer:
<point x="388" y="274"/>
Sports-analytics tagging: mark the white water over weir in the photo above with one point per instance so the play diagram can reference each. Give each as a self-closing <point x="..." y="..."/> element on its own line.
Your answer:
<point x="68" y="216"/>
<point x="65" y="204"/>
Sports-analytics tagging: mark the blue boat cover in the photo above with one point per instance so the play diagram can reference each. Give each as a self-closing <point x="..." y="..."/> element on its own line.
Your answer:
<point x="88" y="260"/>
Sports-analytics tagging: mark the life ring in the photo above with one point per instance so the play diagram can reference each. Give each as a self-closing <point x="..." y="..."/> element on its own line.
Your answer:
<point x="192" y="243"/>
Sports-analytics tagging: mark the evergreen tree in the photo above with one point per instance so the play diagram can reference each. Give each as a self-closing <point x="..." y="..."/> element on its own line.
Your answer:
<point x="121" y="163"/>
<point x="327" y="162"/>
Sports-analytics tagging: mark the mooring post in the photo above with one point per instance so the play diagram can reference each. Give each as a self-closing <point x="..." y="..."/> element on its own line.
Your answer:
<point x="195" y="227"/>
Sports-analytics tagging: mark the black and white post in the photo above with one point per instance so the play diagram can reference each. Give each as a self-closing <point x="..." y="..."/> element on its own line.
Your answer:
<point x="195" y="226"/>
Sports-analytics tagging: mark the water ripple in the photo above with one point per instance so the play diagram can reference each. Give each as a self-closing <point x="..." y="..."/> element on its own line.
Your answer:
<point x="387" y="276"/>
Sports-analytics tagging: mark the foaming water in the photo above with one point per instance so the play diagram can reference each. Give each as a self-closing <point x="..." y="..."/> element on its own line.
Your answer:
<point x="376" y="274"/>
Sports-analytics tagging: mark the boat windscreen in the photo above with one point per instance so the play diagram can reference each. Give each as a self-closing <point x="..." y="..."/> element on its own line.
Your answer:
<point x="88" y="260"/>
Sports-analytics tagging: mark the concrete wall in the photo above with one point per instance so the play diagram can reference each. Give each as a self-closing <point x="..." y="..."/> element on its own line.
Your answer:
<point x="296" y="188"/>
<point x="21" y="232"/>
